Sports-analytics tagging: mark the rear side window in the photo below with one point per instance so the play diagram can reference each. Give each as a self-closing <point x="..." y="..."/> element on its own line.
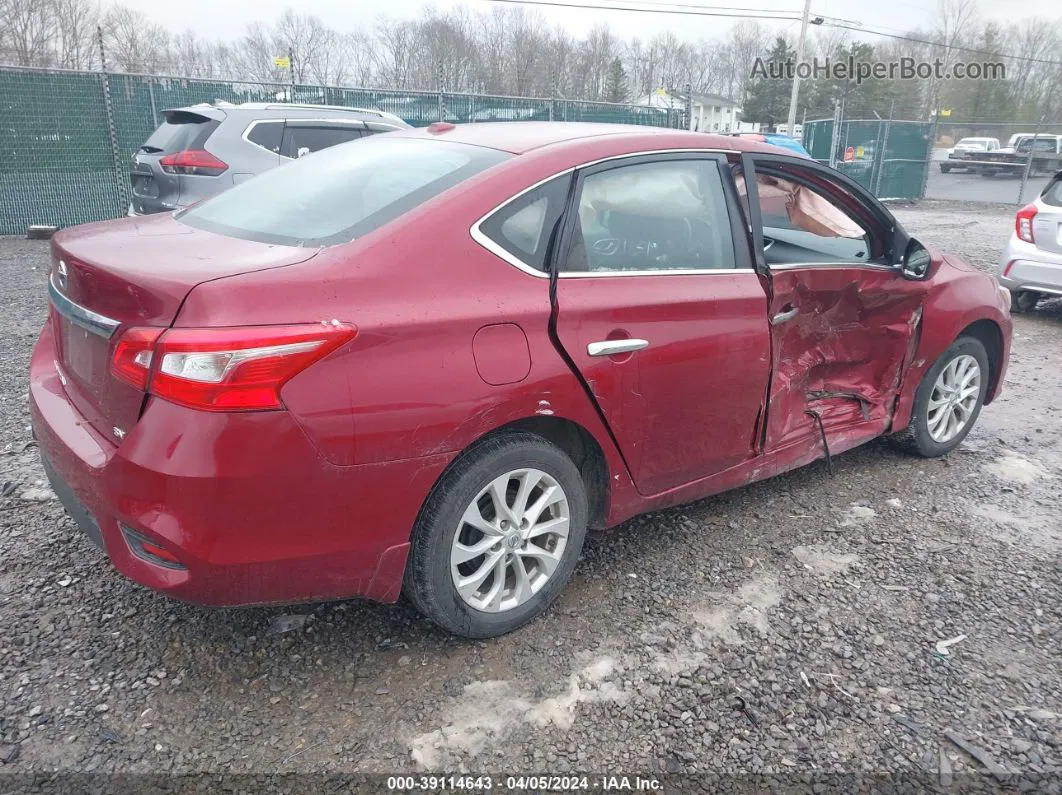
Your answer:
<point x="266" y="134"/>
<point x="180" y="131"/>
<point x="299" y="141"/>
<point x="340" y="193"/>
<point x="656" y="216"/>
<point x="1053" y="193"/>
<point x="524" y="226"/>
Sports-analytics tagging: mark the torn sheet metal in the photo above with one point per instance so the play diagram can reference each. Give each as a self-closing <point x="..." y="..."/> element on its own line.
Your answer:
<point x="844" y="353"/>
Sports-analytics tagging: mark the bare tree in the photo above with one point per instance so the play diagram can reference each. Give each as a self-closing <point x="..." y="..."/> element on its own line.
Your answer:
<point x="746" y="41"/>
<point x="134" y="43"/>
<point x="27" y="31"/>
<point x="75" y="28"/>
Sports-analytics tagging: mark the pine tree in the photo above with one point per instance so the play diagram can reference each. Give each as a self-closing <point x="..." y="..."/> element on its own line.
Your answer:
<point x="767" y="100"/>
<point x="616" y="89"/>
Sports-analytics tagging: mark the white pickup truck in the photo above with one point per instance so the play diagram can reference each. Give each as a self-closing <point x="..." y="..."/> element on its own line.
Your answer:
<point x="1046" y="153"/>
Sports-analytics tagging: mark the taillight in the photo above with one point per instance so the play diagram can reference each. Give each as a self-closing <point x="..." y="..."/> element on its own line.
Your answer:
<point x="132" y="356"/>
<point x="229" y="369"/>
<point x="196" y="162"/>
<point x="1023" y="223"/>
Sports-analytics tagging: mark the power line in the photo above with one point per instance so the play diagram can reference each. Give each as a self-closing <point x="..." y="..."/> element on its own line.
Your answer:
<point x="842" y="24"/>
<point x="860" y="29"/>
<point x="745" y="15"/>
<point x="731" y="8"/>
<point x="702" y="7"/>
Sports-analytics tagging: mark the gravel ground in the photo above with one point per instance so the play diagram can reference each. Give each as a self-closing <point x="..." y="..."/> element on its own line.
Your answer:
<point x="816" y="600"/>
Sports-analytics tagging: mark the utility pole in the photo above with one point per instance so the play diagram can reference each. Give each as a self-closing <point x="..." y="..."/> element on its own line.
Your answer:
<point x="291" y="70"/>
<point x="791" y="123"/>
<point x="1029" y="161"/>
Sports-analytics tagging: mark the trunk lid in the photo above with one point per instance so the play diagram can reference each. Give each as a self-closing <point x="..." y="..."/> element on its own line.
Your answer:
<point x="109" y="277"/>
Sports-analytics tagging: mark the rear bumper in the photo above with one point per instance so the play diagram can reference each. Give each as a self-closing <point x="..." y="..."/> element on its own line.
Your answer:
<point x="244" y="501"/>
<point x="1023" y="266"/>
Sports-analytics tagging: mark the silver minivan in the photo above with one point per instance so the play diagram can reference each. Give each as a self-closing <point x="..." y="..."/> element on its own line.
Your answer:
<point x="201" y="150"/>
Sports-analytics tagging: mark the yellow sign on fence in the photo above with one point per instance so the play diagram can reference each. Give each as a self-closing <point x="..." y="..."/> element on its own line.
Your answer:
<point x="282" y="62"/>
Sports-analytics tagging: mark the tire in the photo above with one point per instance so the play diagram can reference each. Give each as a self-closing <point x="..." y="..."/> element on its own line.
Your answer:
<point x="916" y="437"/>
<point x="463" y="491"/>
<point x="944" y="169"/>
<point x="1023" y="301"/>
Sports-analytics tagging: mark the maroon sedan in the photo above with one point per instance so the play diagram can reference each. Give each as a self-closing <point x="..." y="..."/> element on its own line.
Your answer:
<point x="429" y="361"/>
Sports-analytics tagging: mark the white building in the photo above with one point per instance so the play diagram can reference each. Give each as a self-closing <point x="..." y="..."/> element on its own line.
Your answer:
<point x="710" y="113"/>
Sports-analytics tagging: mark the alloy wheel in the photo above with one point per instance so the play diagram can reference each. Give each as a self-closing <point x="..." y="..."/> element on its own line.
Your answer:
<point x="954" y="398"/>
<point x="510" y="540"/>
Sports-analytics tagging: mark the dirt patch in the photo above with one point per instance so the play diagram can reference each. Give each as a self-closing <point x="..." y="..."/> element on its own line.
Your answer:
<point x="747" y="607"/>
<point x="823" y="561"/>
<point x="488" y="711"/>
<point x="1016" y="468"/>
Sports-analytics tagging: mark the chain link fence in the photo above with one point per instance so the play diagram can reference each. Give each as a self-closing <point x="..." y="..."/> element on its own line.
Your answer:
<point x="920" y="159"/>
<point x="887" y="157"/>
<point x="67" y="138"/>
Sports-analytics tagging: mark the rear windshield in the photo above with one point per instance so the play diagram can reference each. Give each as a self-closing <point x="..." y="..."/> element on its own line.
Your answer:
<point x="340" y="193"/>
<point x="180" y="131"/>
<point x="1053" y="192"/>
<point x="1038" y="145"/>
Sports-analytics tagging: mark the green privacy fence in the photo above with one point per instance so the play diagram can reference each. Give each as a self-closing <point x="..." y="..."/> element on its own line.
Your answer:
<point x="67" y="138"/>
<point x="889" y="158"/>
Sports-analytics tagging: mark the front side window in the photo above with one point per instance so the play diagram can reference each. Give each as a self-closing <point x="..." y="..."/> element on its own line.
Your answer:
<point x="660" y="216"/>
<point x="342" y="192"/>
<point x="802" y="224"/>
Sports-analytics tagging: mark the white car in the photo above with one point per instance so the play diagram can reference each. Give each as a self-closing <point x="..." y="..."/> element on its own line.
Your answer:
<point x="957" y="152"/>
<point x="1031" y="265"/>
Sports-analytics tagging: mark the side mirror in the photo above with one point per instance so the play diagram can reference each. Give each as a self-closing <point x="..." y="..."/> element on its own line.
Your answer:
<point x="916" y="261"/>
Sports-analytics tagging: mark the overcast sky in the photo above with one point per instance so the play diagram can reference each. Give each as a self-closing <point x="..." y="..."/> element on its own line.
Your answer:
<point x="227" y="18"/>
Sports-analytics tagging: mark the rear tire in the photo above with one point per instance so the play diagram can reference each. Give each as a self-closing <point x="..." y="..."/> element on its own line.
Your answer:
<point x="520" y="567"/>
<point x="935" y="429"/>
<point x="944" y="169"/>
<point x="1023" y="301"/>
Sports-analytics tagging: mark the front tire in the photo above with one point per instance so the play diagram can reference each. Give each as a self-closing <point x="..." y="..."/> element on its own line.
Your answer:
<point x="948" y="400"/>
<point x="498" y="538"/>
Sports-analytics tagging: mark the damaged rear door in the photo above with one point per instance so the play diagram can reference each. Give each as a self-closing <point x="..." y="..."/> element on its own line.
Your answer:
<point x="844" y="322"/>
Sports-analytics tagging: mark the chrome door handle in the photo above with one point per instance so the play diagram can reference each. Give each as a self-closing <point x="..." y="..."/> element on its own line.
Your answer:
<point x="612" y="347"/>
<point x="782" y="317"/>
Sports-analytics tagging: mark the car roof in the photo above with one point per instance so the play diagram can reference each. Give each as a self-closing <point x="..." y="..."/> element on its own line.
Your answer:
<point x="219" y="110"/>
<point x="521" y="137"/>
